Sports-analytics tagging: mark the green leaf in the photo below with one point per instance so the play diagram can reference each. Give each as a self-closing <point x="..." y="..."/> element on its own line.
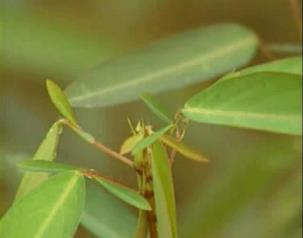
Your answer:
<point x="183" y="149"/>
<point x="105" y="215"/>
<point x="45" y="166"/>
<point x="147" y="141"/>
<point x="141" y="229"/>
<point x="46" y="152"/>
<point x="60" y="101"/>
<point x="130" y="143"/>
<point x="178" y="61"/>
<point x="51" y="210"/>
<point x="263" y="101"/>
<point x="164" y="193"/>
<point x="292" y="65"/>
<point x="156" y="107"/>
<point x="126" y="194"/>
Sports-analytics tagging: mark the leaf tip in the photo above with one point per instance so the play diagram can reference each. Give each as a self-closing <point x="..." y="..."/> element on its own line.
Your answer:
<point x="60" y="101"/>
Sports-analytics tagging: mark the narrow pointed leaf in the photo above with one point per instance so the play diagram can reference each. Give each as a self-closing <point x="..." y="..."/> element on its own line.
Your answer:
<point x="147" y="141"/>
<point x="183" y="149"/>
<point x="45" y="166"/>
<point x="156" y="107"/>
<point x="291" y="65"/>
<point x="107" y="216"/>
<point x="126" y="194"/>
<point x="60" y="101"/>
<point x="178" y="61"/>
<point x="164" y="193"/>
<point x="46" y="152"/>
<point x="51" y="210"/>
<point x="130" y="143"/>
<point x="141" y="229"/>
<point x="263" y="101"/>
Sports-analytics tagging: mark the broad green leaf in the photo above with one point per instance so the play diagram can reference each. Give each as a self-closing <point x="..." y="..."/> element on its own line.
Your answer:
<point x="44" y="166"/>
<point x="130" y="143"/>
<point x="126" y="194"/>
<point x="60" y="101"/>
<point x="156" y="107"/>
<point x="263" y="101"/>
<point x="164" y="193"/>
<point x="46" y="152"/>
<point x="147" y="141"/>
<point x="291" y="65"/>
<point x="107" y="216"/>
<point x="183" y="149"/>
<point x="178" y="61"/>
<point x="51" y="210"/>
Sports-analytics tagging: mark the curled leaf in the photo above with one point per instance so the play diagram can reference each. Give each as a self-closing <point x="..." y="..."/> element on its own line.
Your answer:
<point x="164" y="193"/>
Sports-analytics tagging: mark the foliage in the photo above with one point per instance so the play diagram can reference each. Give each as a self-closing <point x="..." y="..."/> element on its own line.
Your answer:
<point x="51" y="196"/>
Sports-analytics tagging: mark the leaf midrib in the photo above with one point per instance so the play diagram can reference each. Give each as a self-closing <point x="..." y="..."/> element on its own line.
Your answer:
<point x="241" y="114"/>
<point x="177" y="67"/>
<point x="57" y="206"/>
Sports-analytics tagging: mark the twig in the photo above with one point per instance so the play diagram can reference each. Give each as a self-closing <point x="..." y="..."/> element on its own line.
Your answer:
<point x="90" y="139"/>
<point x="112" y="153"/>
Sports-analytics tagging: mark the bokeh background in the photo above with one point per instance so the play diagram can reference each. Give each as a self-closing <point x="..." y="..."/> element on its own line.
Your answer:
<point x="251" y="188"/>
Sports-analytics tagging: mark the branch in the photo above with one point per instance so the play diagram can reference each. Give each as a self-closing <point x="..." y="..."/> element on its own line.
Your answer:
<point x="91" y="140"/>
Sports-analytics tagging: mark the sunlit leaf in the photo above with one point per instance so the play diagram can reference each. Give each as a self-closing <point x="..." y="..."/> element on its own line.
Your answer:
<point x="130" y="143"/>
<point x="291" y="65"/>
<point x="264" y="101"/>
<point x="126" y="194"/>
<point x="44" y="166"/>
<point x="46" y="152"/>
<point x="51" y="210"/>
<point x="60" y="101"/>
<point x="164" y="193"/>
<point x="107" y="216"/>
<point x="156" y="107"/>
<point x="183" y="149"/>
<point x="147" y="141"/>
<point x="184" y="59"/>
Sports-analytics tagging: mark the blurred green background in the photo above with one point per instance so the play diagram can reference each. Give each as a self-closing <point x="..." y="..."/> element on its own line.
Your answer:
<point x="251" y="188"/>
